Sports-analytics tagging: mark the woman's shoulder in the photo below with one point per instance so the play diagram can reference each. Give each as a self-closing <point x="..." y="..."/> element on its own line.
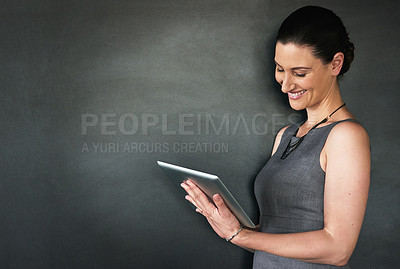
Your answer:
<point x="348" y="127"/>
<point x="348" y="132"/>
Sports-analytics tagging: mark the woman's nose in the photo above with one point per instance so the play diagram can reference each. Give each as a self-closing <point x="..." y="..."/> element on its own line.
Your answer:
<point x="287" y="83"/>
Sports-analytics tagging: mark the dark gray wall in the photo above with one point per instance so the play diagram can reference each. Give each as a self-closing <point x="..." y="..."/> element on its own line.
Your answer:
<point x="147" y="63"/>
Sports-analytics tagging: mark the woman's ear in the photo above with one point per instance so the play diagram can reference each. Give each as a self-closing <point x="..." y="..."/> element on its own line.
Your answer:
<point x="337" y="63"/>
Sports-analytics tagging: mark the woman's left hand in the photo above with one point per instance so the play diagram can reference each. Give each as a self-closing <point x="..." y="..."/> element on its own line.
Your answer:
<point x="221" y="219"/>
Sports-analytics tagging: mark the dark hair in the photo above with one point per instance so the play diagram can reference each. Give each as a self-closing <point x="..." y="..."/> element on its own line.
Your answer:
<point x="320" y="29"/>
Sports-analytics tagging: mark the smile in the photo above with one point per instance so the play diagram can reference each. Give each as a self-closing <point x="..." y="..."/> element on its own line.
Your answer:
<point x="296" y="95"/>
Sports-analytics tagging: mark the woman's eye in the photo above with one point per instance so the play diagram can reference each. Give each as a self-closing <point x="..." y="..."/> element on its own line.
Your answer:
<point x="300" y="75"/>
<point x="279" y="70"/>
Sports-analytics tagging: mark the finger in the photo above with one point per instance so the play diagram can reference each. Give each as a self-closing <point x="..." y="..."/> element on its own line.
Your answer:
<point x="193" y="191"/>
<point x="199" y="197"/>
<point x="198" y="209"/>
<point x="190" y="195"/>
<point x="187" y="188"/>
<point x="189" y="198"/>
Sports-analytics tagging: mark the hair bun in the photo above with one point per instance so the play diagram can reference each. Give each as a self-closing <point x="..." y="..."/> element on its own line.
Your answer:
<point x="348" y="57"/>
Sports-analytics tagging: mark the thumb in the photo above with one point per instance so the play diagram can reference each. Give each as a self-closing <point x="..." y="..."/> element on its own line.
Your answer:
<point x="219" y="202"/>
<point x="221" y="206"/>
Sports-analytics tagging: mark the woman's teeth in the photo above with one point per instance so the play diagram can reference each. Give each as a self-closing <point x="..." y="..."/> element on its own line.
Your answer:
<point x="296" y="94"/>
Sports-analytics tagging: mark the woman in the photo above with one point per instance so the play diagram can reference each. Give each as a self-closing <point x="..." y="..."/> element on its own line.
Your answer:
<point x="313" y="191"/>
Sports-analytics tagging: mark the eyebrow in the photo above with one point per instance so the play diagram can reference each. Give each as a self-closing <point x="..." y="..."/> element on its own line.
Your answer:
<point x="296" y="68"/>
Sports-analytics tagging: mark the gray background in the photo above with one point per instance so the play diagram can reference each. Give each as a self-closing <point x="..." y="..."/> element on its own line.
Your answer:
<point x="65" y="207"/>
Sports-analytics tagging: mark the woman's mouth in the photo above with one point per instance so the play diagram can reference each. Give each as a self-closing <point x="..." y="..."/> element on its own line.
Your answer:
<point x="296" y="95"/>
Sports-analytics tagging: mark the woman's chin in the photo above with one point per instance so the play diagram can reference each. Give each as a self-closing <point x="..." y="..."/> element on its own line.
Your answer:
<point x="296" y="105"/>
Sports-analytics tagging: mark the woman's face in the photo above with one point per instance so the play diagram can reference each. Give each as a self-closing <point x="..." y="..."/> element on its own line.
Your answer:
<point x="303" y="77"/>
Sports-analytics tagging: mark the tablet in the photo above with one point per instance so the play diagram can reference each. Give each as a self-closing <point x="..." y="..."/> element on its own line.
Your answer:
<point x="210" y="185"/>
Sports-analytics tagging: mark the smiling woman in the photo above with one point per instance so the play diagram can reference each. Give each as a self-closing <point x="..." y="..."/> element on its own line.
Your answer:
<point x="303" y="75"/>
<point x="313" y="191"/>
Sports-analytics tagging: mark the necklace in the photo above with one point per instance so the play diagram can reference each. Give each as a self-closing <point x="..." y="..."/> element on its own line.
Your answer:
<point x="293" y="145"/>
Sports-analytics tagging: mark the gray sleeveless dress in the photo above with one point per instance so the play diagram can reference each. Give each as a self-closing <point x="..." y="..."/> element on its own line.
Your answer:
<point x="290" y="194"/>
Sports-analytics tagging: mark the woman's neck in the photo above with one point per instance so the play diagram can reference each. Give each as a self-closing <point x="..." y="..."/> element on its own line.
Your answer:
<point x="329" y="104"/>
